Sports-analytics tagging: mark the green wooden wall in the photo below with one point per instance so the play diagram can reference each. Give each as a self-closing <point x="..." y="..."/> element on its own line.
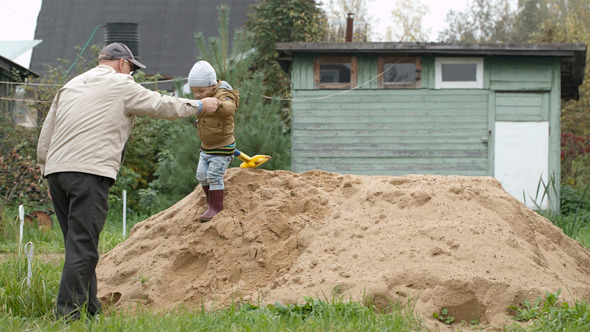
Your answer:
<point x="391" y="132"/>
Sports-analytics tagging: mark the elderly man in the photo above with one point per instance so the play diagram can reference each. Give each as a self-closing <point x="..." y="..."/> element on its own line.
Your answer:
<point x="80" y="151"/>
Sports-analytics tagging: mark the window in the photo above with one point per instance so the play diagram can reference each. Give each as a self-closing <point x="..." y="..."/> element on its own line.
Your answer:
<point x="337" y="72"/>
<point x="400" y="72"/>
<point x="459" y="73"/>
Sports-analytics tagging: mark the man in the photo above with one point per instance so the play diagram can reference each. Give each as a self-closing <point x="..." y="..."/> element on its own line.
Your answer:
<point x="80" y="151"/>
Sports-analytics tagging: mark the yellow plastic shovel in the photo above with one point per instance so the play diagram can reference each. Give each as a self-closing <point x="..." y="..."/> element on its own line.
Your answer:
<point x="251" y="162"/>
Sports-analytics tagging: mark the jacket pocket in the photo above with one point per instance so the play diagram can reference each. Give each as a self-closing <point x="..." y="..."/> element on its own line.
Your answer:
<point x="228" y="127"/>
<point x="211" y="127"/>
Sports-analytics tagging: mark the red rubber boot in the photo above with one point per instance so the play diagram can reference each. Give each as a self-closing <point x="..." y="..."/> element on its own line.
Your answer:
<point x="206" y="190"/>
<point x="215" y="205"/>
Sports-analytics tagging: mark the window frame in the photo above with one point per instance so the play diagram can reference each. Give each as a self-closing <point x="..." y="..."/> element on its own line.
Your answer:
<point x="382" y="60"/>
<point x="479" y="72"/>
<point x="318" y="60"/>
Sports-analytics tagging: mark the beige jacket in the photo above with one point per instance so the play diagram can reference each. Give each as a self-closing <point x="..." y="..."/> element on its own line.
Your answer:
<point x="91" y="118"/>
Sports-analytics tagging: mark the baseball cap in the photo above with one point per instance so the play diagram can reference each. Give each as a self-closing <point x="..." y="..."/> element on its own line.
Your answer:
<point x="115" y="51"/>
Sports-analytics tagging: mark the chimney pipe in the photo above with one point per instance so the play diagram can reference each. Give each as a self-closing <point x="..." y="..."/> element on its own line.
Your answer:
<point x="126" y="33"/>
<point x="349" y="24"/>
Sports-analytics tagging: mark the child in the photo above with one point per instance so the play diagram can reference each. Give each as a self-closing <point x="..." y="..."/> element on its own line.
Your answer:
<point x="216" y="132"/>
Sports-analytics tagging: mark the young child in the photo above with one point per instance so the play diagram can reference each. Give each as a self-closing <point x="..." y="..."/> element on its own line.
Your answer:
<point x="216" y="132"/>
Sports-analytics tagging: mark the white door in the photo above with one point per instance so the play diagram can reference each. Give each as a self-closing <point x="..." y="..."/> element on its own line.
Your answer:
<point x="521" y="159"/>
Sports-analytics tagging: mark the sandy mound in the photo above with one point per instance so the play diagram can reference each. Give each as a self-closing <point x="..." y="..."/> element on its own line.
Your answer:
<point x="460" y="243"/>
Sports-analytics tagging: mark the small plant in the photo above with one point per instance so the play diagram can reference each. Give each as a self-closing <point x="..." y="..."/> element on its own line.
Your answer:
<point x="528" y="311"/>
<point x="553" y="315"/>
<point x="573" y="226"/>
<point x="444" y="316"/>
<point x="534" y="310"/>
<point x="142" y="279"/>
<point x="574" y="204"/>
<point x="545" y="191"/>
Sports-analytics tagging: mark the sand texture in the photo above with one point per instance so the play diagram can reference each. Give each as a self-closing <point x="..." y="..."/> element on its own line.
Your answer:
<point x="454" y="242"/>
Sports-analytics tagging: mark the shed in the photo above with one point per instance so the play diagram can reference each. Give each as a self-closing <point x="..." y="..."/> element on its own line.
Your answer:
<point x="11" y="74"/>
<point x="433" y="108"/>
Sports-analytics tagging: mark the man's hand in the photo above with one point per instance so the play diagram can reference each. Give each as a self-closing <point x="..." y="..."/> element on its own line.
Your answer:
<point x="210" y="104"/>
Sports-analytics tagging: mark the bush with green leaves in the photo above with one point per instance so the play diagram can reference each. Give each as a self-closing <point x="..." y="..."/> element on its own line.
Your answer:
<point x="20" y="180"/>
<point x="20" y="176"/>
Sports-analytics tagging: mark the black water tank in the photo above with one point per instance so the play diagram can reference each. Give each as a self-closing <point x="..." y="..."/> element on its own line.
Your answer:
<point x="126" y="33"/>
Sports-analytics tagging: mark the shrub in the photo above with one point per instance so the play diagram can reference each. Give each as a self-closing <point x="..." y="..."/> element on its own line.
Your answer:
<point x="20" y="179"/>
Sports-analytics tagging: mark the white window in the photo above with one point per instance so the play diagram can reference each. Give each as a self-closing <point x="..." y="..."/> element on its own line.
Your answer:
<point x="459" y="73"/>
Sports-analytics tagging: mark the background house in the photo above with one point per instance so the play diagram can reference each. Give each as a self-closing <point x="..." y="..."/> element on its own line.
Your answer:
<point x="12" y="95"/>
<point x="165" y="29"/>
<point x="10" y="74"/>
<point x="416" y="108"/>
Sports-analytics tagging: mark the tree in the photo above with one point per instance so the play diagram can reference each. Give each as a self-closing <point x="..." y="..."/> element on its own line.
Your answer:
<point x="408" y="14"/>
<point x="337" y="13"/>
<point x="569" y="22"/>
<point x="529" y="17"/>
<point x="483" y="22"/>
<point x="274" y="21"/>
<point x="258" y="126"/>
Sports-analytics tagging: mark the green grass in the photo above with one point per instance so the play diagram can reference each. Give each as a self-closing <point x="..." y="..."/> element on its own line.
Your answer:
<point x="52" y="241"/>
<point x="29" y="307"/>
<point x="584" y="236"/>
<point x="334" y="318"/>
<point x="550" y="314"/>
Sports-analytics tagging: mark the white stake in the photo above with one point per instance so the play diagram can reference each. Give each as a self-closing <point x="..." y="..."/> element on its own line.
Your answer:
<point x="29" y="254"/>
<point x="124" y="213"/>
<point x="21" y="214"/>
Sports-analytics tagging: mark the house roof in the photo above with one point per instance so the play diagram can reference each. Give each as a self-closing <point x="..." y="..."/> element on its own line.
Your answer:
<point x="12" y="49"/>
<point x="7" y="66"/>
<point x="572" y="56"/>
<point x="166" y="29"/>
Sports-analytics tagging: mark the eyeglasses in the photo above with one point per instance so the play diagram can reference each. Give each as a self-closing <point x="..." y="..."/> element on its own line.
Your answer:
<point x="131" y="67"/>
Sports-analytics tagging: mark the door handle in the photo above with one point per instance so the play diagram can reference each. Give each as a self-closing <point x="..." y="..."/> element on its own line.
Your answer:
<point x="486" y="138"/>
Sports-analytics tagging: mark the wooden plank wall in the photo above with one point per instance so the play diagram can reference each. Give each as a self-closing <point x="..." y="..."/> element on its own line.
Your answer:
<point x="390" y="132"/>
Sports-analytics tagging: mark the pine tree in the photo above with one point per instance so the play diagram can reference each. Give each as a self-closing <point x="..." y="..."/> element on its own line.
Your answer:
<point x="258" y="126"/>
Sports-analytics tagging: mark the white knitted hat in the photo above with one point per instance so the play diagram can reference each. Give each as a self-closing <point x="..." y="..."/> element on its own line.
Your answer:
<point x="202" y="74"/>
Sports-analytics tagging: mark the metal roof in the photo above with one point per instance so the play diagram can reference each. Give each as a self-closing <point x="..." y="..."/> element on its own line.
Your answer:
<point x="544" y="49"/>
<point x="572" y="56"/>
<point x="12" y="49"/>
<point x="166" y="29"/>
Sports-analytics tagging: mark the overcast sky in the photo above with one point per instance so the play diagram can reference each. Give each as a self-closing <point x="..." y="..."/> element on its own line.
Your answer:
<point x="18" y="18"/>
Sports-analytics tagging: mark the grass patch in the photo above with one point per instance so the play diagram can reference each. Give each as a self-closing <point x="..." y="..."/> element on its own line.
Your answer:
<point x="313" y="315"/>
<point x="584" y="236"/>
<point x="51" y="240"/>
<point x="22" y="296"/>
<point x="550" y="314"/>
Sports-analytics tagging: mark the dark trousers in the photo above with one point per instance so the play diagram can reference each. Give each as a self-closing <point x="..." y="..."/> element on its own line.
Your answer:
<point x="81" y="203"/>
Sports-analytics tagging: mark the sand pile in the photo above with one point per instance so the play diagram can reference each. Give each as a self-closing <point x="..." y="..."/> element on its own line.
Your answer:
<point x="460" y="243"/>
